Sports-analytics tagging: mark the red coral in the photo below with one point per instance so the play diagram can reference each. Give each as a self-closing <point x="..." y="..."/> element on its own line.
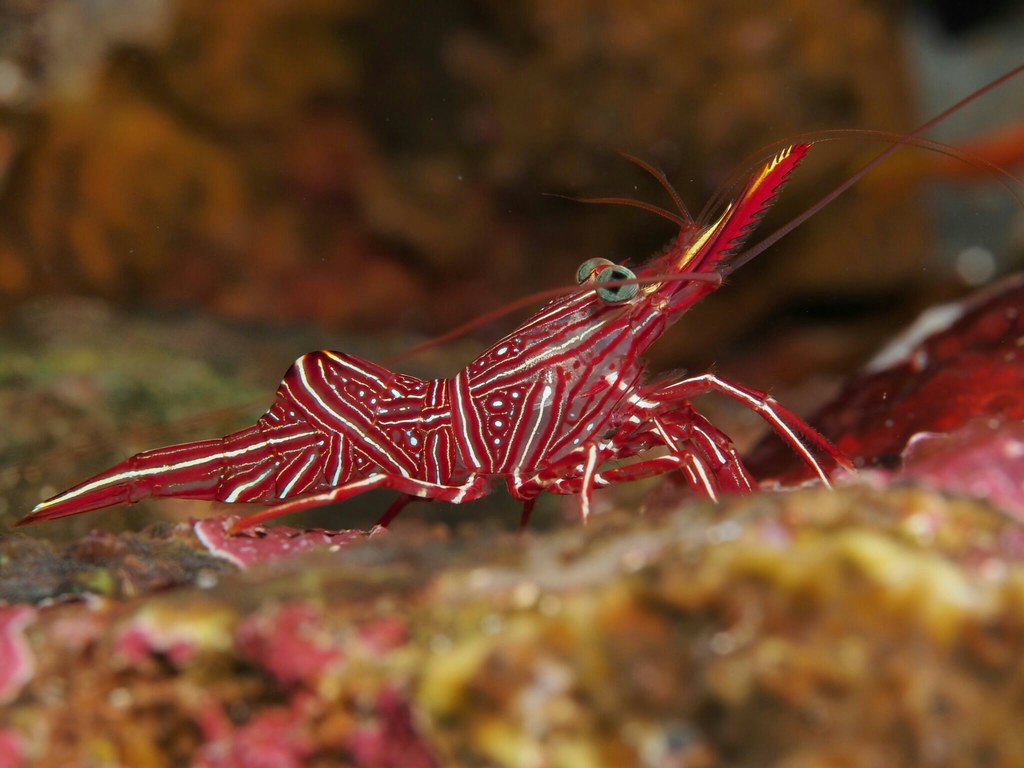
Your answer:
<point x="942" y="403"/>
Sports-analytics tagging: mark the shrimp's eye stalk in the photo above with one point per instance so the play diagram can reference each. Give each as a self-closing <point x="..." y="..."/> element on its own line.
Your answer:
<point x="616" y="294"/>
<point x="589" y="267"/>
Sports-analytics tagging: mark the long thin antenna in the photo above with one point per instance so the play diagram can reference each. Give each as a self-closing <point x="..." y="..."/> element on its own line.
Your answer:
<point x="627" y="201"/>
<point x="784" y="230"/>
<point x="1003" y="176"/>
<point x="713" y="278"/>
<point x="662" y="179"/>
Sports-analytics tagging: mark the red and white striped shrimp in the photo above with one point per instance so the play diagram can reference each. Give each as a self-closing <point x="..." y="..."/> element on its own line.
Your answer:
<point x="545" y="409"/>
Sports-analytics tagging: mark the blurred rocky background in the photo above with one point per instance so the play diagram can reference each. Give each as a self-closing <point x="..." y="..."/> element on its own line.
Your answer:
<point x="360" y="167"/>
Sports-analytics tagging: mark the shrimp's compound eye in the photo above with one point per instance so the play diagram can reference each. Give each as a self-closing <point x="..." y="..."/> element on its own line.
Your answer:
<point x="589" y="267"/>
<point x="616" y="294"/>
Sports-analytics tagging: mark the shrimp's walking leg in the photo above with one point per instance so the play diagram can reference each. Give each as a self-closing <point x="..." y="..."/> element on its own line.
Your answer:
<point x="392" y="511"/>
<point x="698" y="449"/>
<point x="474" y="487"/>
<point x="791" y="428"/>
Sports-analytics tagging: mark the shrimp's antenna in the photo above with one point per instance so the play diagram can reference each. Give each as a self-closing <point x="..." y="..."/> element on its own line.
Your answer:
<point x="630" y="202"/>
<point x="683" y="220"/>
<point x="662" y="179"/>
<point x="712" y="278"/>
<point x="881" y="157"/>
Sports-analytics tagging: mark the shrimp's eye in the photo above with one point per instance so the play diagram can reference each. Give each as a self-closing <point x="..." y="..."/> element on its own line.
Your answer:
<point x="616" y="294"/>
<point x="589" y="267"/>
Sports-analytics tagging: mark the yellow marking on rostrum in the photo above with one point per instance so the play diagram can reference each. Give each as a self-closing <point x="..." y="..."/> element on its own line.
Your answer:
<point x="771" y="166"/>
<point x="697" y="244"/>
<point x="695" y="247"/>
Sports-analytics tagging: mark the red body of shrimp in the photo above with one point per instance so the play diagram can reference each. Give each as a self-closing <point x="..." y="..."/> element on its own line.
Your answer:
<point x="543" y="409"/>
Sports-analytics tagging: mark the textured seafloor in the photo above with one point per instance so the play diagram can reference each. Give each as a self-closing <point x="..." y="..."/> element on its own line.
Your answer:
<point x="854" y="628"/>
<point x="867" y="626"/>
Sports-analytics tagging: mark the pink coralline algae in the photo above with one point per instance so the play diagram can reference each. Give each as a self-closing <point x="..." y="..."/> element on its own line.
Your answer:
<point x="393" y="741"/>
<point x="383" y="634"/>
<point x="139" y="642"/>
<point x="17" y="663"/>
<point x="174" y="633"/>
<point x="11" y="750"/>
<point x="290" y="642"/>
<point x="263" y="545"/>
<point x="277" y="738"/>
<point x="985" y="459"/>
